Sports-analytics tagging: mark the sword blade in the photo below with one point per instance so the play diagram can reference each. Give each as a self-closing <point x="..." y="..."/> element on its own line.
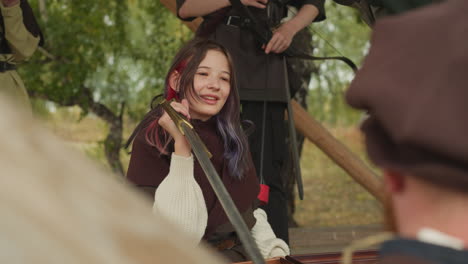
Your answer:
<point x="224" y="198"/>
<point x="203" y="156"/>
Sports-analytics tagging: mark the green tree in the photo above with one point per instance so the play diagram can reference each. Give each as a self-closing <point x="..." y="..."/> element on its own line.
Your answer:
<point x="342" y="33"/>
<point x="107" y="57"/>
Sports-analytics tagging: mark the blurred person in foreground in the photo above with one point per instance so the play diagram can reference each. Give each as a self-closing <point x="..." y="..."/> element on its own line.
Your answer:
<point x="57" y="207"/>
<point x="414" y="87"/>
<point x="20" y="36"/>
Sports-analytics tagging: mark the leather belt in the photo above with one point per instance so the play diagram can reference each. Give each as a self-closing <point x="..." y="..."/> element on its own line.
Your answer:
<point x="225" y="244"/>
<point x="5" y="66"/>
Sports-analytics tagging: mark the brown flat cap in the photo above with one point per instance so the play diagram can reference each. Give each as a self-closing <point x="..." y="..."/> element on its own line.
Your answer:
<point x="414" y="85"/>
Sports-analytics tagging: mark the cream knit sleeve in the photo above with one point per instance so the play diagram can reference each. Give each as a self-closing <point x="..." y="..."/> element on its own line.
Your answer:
<point x="269" y="245"/>
<point x="180" y="199"/>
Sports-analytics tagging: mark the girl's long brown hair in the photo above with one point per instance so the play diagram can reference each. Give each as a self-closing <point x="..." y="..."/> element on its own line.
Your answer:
<point x="228" y="122"/>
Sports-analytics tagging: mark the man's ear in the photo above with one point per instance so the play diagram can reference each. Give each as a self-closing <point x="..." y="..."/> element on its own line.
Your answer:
<point x="394" y="181"/>
<point x="174" y="80"/>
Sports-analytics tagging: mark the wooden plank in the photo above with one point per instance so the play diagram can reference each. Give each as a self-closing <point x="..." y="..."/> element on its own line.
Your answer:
<point x="359" y="257"/>
<point x="337" y="151"/>
<point x="329" y="239"/>
<point x="267" y="261"/>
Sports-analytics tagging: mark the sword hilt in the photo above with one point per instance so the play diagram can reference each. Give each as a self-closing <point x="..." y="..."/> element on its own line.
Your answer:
<point x="179" y="120"/>
<point x="174" y="115"/>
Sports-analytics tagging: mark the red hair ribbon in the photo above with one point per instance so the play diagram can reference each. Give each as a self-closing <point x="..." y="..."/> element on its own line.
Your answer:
<point x="171" y="93"/>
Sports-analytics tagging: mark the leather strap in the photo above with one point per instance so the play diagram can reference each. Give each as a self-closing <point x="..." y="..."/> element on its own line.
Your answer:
<point x="5" y="66"/>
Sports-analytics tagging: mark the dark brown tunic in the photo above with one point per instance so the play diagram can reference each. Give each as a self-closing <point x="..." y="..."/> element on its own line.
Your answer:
<point x="147" y="169"/>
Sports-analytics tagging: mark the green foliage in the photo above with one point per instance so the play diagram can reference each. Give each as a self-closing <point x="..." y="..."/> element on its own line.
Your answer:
<point x="115" y="51"/>
<point x="156" y="35"/>
<point x="341" y="34"/>
<point x="118" y="51"/>
<point x="41" y="108"/>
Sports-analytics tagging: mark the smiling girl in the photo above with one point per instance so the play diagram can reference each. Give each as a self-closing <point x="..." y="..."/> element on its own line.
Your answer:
<point x="201" y="79"/>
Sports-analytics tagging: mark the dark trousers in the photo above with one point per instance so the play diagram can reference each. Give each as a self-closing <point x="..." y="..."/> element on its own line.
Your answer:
<point x="274" y="154"/>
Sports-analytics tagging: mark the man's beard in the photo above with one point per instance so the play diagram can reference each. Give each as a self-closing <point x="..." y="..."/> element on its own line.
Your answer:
<point x="390" y="223"/>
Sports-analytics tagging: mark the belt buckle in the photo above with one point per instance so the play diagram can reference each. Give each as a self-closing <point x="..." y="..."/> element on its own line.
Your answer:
<point x="228" y="22"/>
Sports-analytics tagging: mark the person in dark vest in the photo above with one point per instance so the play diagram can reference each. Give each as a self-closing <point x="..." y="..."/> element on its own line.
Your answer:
<point x="19" y="38"/>
<point x="262" y="78"/>
<point x="202" y="81"/>
<point x="413" y="86"/>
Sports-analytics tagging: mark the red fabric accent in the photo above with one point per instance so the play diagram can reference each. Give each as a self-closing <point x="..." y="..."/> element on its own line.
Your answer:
<point x="264" y="194"/>
<point x="181" y="66"/>
<point x="171" y="93"/>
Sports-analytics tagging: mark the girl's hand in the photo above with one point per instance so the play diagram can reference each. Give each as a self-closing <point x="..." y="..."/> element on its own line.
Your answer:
<point x="255" y="3"/>
<point x="282" y="38"/>
<point x="181" y="145"/>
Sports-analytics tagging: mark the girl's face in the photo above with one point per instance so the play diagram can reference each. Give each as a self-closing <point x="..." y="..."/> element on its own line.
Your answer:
<point x="212" y="84"/>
